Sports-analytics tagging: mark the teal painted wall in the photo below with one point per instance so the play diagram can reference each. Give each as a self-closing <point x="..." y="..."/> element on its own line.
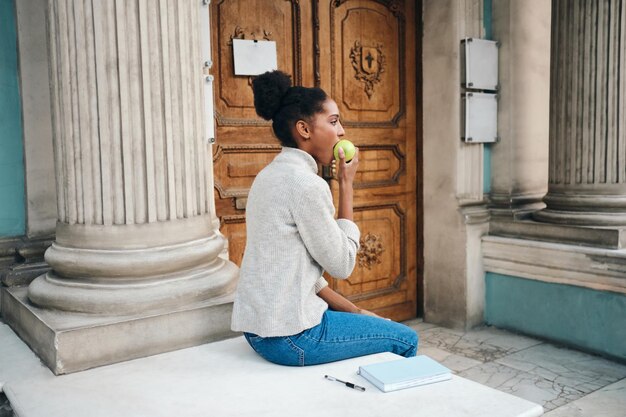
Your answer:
<point x="488" y="26"/>
<point x="12" y="210"/>
<point x="588" y="319"/>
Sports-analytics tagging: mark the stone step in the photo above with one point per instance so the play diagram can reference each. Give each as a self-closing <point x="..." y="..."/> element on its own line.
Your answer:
<point x="228" y="378"/>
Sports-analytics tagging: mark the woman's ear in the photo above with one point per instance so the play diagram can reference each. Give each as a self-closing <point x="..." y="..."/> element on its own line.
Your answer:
<point x="303" y="129"/>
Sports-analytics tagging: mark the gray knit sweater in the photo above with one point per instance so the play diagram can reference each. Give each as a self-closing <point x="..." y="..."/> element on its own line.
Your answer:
<point x="292" y="238"/>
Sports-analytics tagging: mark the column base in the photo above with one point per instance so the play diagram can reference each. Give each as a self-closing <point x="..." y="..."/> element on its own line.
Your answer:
<point x="581" y="218"/>
<point x="151" y="294"/>
<point x="584" y="205"/>
<point x="69" y="342"/>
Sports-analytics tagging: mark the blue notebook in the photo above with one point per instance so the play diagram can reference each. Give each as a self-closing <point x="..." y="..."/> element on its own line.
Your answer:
<point x="404" y="373"/>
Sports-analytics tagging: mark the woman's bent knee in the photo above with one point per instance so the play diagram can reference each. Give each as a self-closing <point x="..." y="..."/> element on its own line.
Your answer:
<point x="411" y="339"/>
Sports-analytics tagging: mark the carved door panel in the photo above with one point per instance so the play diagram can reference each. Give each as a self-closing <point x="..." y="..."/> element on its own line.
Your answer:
<point x="371" y="73"/>
<point x="362" y="53"/>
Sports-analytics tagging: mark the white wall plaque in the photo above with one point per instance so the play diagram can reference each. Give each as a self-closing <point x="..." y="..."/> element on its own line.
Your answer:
<point x="480" y="117"/>
<point x="254" y="57"/>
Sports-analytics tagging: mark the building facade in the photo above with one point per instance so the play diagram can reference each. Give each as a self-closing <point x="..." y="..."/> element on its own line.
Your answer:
<point x="131" y="143"/>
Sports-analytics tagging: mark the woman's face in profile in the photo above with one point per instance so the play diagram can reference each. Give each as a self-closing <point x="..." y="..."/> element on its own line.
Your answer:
<point x="326" y="130"/>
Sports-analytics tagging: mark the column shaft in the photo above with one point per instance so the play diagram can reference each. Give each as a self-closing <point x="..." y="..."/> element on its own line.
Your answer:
<point x="127" y="111"/>
<point x="519" y="170"/>
<point x="587" y="174"/>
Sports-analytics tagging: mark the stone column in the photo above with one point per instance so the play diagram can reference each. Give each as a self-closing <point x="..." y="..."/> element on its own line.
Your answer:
<point x="136" y="245"/>
<point x="134" y="229"/>
<point x="587" y="162"/>
<point x="519" y="165"/>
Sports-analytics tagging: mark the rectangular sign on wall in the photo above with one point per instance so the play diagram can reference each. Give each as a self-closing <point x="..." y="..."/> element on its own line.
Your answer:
<point x="254" y="57"/>
<point x="479" y="64"/>
<point x="480" y="114"/>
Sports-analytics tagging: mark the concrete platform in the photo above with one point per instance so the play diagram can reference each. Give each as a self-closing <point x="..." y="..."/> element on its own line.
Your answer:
<point x="228" y="379"/>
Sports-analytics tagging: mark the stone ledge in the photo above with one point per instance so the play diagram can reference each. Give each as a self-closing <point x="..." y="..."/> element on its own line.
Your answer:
<point x="70" y="342"/>
<point x="595" y="268"/>
<point x="600" y="237"/>
<point x="22" y="259"/>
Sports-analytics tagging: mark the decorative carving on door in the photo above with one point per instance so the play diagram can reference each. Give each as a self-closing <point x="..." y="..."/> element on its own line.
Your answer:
<point x="370" y="251"/>
<point x="387" y="273"/>
<point x="376" y="69"/>
<point x="240" y="33"/>
<point x="368" y="63"/>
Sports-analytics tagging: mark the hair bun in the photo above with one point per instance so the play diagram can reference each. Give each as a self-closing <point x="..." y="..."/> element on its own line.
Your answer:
<point x="269" y="89"/>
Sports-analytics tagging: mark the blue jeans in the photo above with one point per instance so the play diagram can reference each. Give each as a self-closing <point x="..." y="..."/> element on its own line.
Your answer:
<point x="339" y="336"/>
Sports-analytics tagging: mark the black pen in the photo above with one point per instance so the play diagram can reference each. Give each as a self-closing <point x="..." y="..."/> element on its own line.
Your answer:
<point x="347" y="384"/>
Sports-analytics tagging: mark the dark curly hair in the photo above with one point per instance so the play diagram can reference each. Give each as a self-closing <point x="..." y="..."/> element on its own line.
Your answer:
<point x="275" y="99"/>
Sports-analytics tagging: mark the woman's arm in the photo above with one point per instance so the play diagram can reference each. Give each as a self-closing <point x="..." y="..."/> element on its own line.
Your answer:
<point x="338" y="302"/>
<point x="345" y="177"/>
<point x="332" y="242"/>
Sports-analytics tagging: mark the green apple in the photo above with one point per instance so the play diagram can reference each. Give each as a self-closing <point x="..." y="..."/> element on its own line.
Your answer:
<point x="348" y="149"/>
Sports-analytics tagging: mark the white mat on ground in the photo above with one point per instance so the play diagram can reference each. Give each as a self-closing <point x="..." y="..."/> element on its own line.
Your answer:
<point x="228" y="379"/>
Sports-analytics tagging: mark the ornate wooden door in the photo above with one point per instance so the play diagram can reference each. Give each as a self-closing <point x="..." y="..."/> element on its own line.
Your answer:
<point x="362" y="53"/>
